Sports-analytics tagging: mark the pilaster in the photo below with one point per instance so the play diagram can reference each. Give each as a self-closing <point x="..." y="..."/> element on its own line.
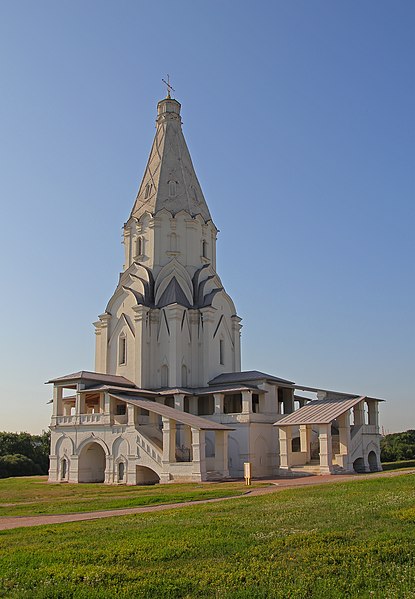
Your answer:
<point x="141" y="356"/>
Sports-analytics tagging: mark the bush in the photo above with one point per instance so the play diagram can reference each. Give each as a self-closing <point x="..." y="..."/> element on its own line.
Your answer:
<point x="17" y="465"/>
<point x="397" y="465"/>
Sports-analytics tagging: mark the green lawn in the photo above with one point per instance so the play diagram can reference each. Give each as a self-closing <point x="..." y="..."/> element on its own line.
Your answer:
<point x="28" y="496"/>
<point x="352" y="539"/>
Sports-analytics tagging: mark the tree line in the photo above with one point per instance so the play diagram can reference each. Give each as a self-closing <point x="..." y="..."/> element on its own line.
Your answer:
<point x="398" y="446"/>
<point x="23" y="454"/>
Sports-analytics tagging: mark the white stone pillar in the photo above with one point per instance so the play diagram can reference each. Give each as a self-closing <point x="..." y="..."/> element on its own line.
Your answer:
<point x="285" y="436"/>
<point x="199" y="454"/>
<point x="169" y="440"/>
<point x="326" y="454"/>
<point x="344" y="458"/>
<point x="57" y="401"/>
<point x="373" y="413"/>
<point x="246" y="402"/>
<point x="305" y="441"/>
<point x="130" y="415"/>
<point x="359" y="416"/>
<point x="218" y="399"/>
<point x="179" y="401"/>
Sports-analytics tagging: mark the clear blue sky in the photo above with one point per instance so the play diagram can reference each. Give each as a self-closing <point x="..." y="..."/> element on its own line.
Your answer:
<point x="299" y="116"/>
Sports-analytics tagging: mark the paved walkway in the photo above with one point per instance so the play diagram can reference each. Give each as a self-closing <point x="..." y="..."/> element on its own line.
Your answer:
<point x="276" y="484"/>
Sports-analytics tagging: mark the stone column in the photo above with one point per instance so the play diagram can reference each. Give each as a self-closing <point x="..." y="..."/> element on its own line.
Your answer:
<point x="359" y="416"/>
<point x="285" y="435"/>
<point x="57" y="401"/>
<point x="326" y="454"/>
<point x="218" y="399"/>
<point x="130" y="415"/>
<point x="179" y="401"/>
<point x="221" y="453"/>
<point x="199" y="454"/>
<point x="305" y="441"/>
<point x="373" y="413"/>
<point x="246" y="402"/>
<point x="169" y="440"/>
<point x="345" y="442"/>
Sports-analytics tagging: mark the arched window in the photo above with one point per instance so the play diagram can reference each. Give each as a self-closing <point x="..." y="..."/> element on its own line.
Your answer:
<point x="121" y="471"/>
<point x="147" y="190"/>
<point x="64" y="469"/>
<point x="122" y="349"/>
<point x="184" y="375"/>
<point x="204" y="249"/>
<point x="172" y="188"/>
<point x="221" y="351"/>
<point x="164" y="375"/>
<point x="139" y="245"/>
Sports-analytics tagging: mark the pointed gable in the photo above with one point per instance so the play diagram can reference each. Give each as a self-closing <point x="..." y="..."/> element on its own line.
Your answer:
<point x="170" y="180"/>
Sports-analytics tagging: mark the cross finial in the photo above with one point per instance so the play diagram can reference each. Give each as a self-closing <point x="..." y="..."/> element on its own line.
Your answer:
<point x="169" y="87"/>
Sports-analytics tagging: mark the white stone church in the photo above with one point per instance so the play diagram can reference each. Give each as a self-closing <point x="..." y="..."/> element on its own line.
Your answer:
<point x="168" y="400"/>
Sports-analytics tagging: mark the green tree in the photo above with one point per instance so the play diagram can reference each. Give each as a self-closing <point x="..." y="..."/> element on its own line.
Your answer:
<point x="398" y="446"/>
<point x="34" y="448"/>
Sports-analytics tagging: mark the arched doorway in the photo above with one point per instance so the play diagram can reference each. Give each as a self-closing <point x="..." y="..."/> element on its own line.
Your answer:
<point x="373" y="461"/>
<point x="91" y="468"/>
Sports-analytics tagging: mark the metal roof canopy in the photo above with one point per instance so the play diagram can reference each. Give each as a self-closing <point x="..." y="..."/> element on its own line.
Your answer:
<point x="322" y="411"/>
<point x="86" y="375"/>
<point x="183" y="417"/>
<point x="247" y="375"/>
<point x="342" y="393"/>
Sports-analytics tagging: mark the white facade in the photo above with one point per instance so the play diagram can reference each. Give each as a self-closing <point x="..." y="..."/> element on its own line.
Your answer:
<point x="170" y="337"/>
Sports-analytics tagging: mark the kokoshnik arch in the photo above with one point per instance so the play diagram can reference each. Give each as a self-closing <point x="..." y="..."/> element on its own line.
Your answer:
<point x="168" y="400"/>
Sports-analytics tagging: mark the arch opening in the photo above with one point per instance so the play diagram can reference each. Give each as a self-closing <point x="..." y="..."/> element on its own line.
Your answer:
<point x="359" y="465"/>
<point x="92" y="461"/>
<point x="146" y="476"/>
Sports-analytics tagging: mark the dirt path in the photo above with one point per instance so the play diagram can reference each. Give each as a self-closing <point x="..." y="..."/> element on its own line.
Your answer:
<point x="276" y="485"/>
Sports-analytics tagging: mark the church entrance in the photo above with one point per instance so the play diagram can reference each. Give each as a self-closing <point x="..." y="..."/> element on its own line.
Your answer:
<point x="91" y="464"/>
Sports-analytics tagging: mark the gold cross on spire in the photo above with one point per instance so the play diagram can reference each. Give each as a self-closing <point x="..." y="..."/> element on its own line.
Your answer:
<point x="169" y="87"/>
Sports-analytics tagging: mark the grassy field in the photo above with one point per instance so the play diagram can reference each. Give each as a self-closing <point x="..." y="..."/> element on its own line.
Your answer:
<point x="343" y="540"/>
<point x="29" y="496"/>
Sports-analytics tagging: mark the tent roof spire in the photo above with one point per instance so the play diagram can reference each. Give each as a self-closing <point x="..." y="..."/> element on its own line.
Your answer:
<point x="169" y="180"/>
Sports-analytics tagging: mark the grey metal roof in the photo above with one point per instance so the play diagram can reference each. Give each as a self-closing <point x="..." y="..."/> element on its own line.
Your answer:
<point x="338" y="393"/>
<point x="86" y="375"/>
<point x="208" y="390"/>
<point x="322" y="411"/>
<point x="167" y="412"/>
<point x="247" y="375"/>
<point x="173" y="294"/>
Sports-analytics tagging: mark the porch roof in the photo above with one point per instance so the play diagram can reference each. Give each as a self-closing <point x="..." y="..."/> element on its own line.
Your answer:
<point x="167" y="412"/>
<point x="322" y="411"/>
